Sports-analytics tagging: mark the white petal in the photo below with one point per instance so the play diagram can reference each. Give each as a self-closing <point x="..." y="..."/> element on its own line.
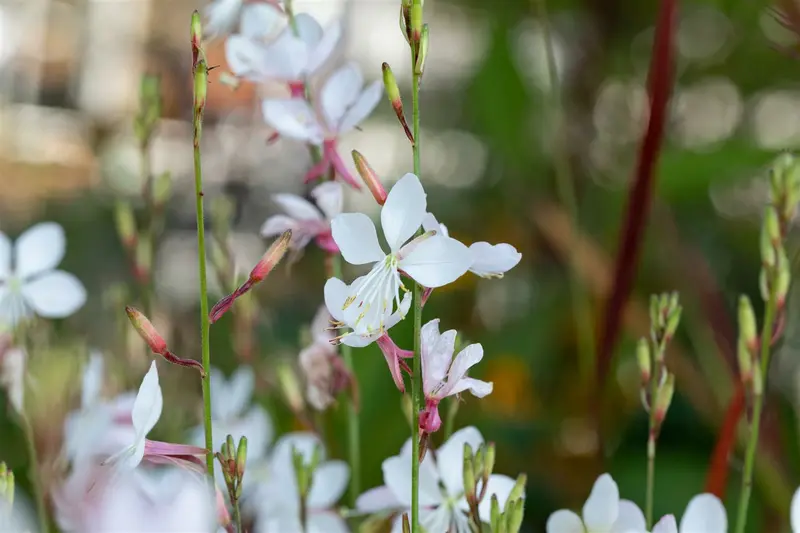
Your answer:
<point x="297" y="207"/>
<point x="12" y="307"/>
<point x="5" y="256"/>
<point x="397" y="316"/>
<point x="437" y="261"/>
<point x="276" y="224"/>
<point x="429" y="223"/>
<point x="397" y="476"/>
<point x="340" y="92"/>
<point x="245" y="57"/>
<point x="39" y="249"/>
<point x="359" y="341"/>
<point x="795" y="512"/>
<point x="451" y="458"/>
<point x="366" y="102"/>
<point x="402" y="214"/>
<point x="435" y="519"/>
<point x="630" y="518"/>
<point x="498" y="485"/>
<point x="335" y="292"/>
<point x="478" y="388"/>
<point x="325" y="46"/>
<point x="259" y="430"/>
<point x="329" y="483"/>
<point x="221" y="16"/>
<point x="355" y="235"/>
<point x="293" y="118"/>
<point x="602" y="507"/>
<point x="704" y="513"/>
<point x="667" y="525"/>
<point x="329" y="522"/>
<point x="148" y="404"/>
<point x="56" y="294"/>
<point x="493" y="261"/>
<point x="435" y="357"/>
<point x="240" y="390"/>
<point x="92" y="381"/>
<point x="308" y="29"/>
<point x="260" y="20"/>
<point x="564" y="521"/>
<point x="377" y="500"/>
<point x="329" y="197"/>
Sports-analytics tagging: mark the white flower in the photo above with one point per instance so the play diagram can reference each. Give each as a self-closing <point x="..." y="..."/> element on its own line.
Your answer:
<point x="146" y="412"/>
<point x="441" y="487"/>
<point x="603" y="512"/>
<point x="12" y="375"/>
<point x="432" y="261"/>
<point x="444" y="376"/>
<point x="257" y="20"/>
<point x="488" y="260"/>
<point x="704" y="513"/>
<point x="306" y="220"/>
<point x="289" y="58"/>
<point x="343" y="104"/>
<point x="28" y="282"/>
<point x="277" y="501"/>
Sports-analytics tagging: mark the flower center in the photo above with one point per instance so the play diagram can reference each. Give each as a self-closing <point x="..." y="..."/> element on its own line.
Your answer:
<point x="14" y="283"/>
<point x="370" y="304"/>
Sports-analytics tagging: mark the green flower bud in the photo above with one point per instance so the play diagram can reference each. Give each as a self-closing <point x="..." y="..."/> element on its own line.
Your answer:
<point x="241" y="457"/>
<point x="644" y="359"/>
<point x="747" y="323"/>
<point x="469" y="474"/>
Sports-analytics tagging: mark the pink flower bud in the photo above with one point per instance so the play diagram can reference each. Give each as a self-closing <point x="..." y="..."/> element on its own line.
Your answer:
<point x="147" y="331"/>
<point x="429" y="419"/>
<point x="370" y="177"/>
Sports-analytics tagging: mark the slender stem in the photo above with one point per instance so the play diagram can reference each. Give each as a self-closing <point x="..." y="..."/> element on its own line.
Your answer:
<point x="33" y="473"/>
<point x="652" y="436"/>
<point x="237" y="515"/>
<point x="416" y="381"/>
<point x="566" y="191"/>
<point x="758" y="407"/>
<point x="204" y="320"/>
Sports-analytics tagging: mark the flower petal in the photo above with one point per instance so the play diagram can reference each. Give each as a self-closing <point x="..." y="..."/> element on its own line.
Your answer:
<point x="148" y="404"/>
<point x="259" y="20"/>
<point x="221" y="17"/>
<point x="245" y="57"/>
<point x="451" y="458"/>
<point x="630" y="518"/>
<point x="324" y="47"/>
<point x="366" y="102"/>
<point x="602" y="507"/>
<point x="435" y="357"/>
<point x="667" y="525"/>
<point x="328" y="485"/>
<point x="704" y="513"/>
<point x="92" y="381"/>
<point x="240" y="390"/>
<point x="328" y="522"/>
<point x="402" y="214"/>
<point x="564" y="521"/>
<point x="340" y="92"/>
<point x="429" y="223"/>
<point x="329" y="197"/>
<point x="302" y="441"/>
<point x="491" y="261"/>
<point x="795" y="512"/>
<point x="436" y="261"/>
<point x="297" y="207"/>
<point x="336" y="292"/>
<point x="397" y="476"/>
<point x="355" y="235"/>
<point x="377" y="500"/>
<point x="56" y="294"/>
<point x="308" y="29"/>
<point x="39" y="249"/>
<point x="293" y="118"/>
<point x="500" y="486"/>
<point x="276" y="224"/>
<point x="5" y="256"/>
<point x="397" y="316"/>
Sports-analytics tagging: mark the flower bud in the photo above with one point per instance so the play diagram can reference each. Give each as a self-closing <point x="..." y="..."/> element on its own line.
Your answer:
<point x="241" y="457"/>
<point x="406" y="524"/>
<point x="416" y="21"/>
<point x="468" y="473"/>
<point x="126" y="224"/>
<point x="664" y="397"/>
<point x="422" y="54"/>
<point x="407" y="408"/>
<point x="770" y="236"/>
<point x="488" y="462"/>
<point x="231" y="447"/>
<point x="393" y="92"/>
<point x="477" y="462"/>
<point x="370" y="177"/>
<point x="644" y="360"/>
<point x="514" y="516"/>
<point x="747" y="323"/>
<point x="673" y="320"/>
<point x="196" y="32"/>
<point x="745" y="358"/>
<point x="764" y="285"/>
<point x="301" y="472"/>
<point x="783" y="278"/>
<point x="518" y="491"/>
<point x="496" y="518"/>
<point x="147" y="331"/>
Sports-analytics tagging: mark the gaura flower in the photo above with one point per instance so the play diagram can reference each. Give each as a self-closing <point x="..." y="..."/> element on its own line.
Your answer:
<point x="430" y="259"/>
<point x="278" y="499"/>
<point x="306" y="220"/>
<point x="444" y="376"/>
<point x="443" y="506"/>
<point x="704" y="513"/>
<point x="28" y="282"/>
<point x="257" y="19"/>
<point x="343" y="104"/>
<point x="289" y="58"/>
<point x="488" y="260"/>
<point x="323" y="368"/>
<point x="336" y="295"/>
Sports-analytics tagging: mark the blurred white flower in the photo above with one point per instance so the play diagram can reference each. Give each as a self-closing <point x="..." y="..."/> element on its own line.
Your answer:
<point x="443" y="506"/>
<point x="28" y="282"/>
<point x="306" y="220"/>
<point x="794" y="512"/>
<point x="344" y="103"/>
<point x="432" y="261"/>
<point x="488" y="260"/>
<point x="603" y="512"/>
<point x="705" y="513"/>
<point x="277" y="501"/>
<point x="323" y="369"/>
<point x="257" y="19"/>
<point x="12" y="376"/>
<point x="443" y="375"/>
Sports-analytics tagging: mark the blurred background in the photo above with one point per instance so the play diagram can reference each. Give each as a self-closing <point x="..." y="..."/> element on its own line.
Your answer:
<point x="69" y="91"/>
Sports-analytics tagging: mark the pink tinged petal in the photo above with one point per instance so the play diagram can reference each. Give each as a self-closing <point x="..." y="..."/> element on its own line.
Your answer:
<point x="329" y="483"/>
<point x="5" y="257"/>
<point x="435" y="357"/>
<point x="340" y="92"/>
<point x="490" y="261"/>
<point x="602" y="507"/>
<point x="630" y="518"/>
<point x="56" y="294"/>
<point x="320" y="169"/>
<point x="402" y="214"/>
<point x="341" y="169"/>
<point x="429" y="419"/>
<point x="297" y="207"/>
<point x="667" y="525"/>
<point x="259" y="20"/>
<point x="92" y="381"/>
<point x="335" y="292"/>
<point x="328" y="522"/>
<point x="377" y="500"/>
<point x="356" y="237"/>
<point x="276" y="224"/>
<point x="500" y="486"/>
<point x="436" y="261"/>
<point x="366" y="102"/>
<point x="148" y="405"/>
<point x="451" y="458"/>
<point x="155" y="447"/>
<point x="326" y="243"/>
<point x="466" y="359"/>
<point x="564" y="521"/>
<point x="392" y="353"/>
<point x="795" y="512"/>
<point x="704" y="513"/>
<point x="293" y="118"/>
<point x="329" y="197"/>
<point x="39" y="249"/>
<point x="324" y="47"/>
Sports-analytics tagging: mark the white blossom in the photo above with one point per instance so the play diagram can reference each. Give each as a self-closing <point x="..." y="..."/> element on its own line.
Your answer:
<point x="256" y="19"/>
<point x="704" y="513"/>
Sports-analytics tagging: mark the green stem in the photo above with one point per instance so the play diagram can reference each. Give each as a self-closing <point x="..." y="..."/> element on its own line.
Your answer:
<point x="655" y="376"/>
<point x="204" y="321"/>
<point x="758" y="407"/>
<point x="33" y="473"/>
<point x="566" y="191"/>
<point x="237" y="515"/>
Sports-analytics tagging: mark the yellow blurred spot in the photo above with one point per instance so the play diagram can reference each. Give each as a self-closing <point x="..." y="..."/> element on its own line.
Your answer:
<point x="513" y="395"/>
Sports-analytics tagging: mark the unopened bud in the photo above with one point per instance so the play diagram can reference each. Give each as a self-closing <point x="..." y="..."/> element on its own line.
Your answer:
<point x="518" y="491"/>
<point x="422" y="54"/>
<point x="514" y="516"/>
<point x="393" y="93"/>
<point x="222" y="210"/>
<point x="196" y="33"/>
<point x="664" y="397"/>
<point x="747" y="323"/>
<point x="241" y="457"/>
<point x="301" y="472"/>
<point x="644" y="360"/>
<point x="770" y="236"/>
<point x="144" y="258"/>
<point x="231" y="447"/>
<point x="290" y="386"/>
<point x="673" y="320"/>
<point x="200" y="88"/>
<point x="162" y="189"/>
<point x="783" y="278"/>
<point x="370" y="177"/>
<point x="488" y="462"/>
<point x="126" y="223"/>
<point x="745" y="358"/>
<point x="468" y="472"/>
<point x="496" y="518"/>
<point x="147" y="331"/>
<point x="477" y="462"/>
<point x="416" y="21"/>
<point x="406" y="524"/>
<point x="764" y="284"/>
